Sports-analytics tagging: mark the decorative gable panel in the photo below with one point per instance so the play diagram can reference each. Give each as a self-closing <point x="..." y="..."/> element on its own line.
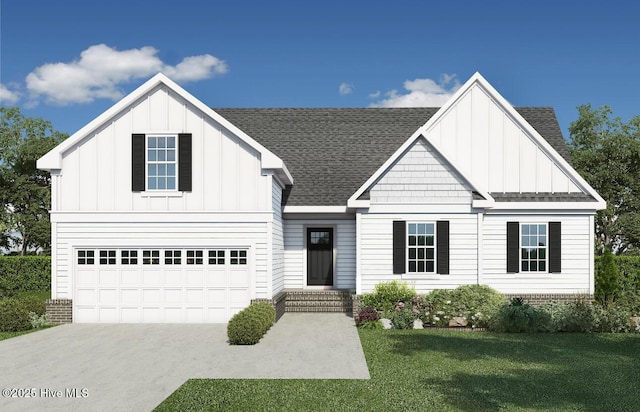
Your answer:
<point x="421" y="176"/>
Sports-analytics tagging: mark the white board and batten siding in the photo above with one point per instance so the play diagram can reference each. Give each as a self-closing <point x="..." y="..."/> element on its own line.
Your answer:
<point x="486" y="143"/>
<point x="577" y="270"/>
<point x="295" y="253"/>
<point x="96" y="173"/>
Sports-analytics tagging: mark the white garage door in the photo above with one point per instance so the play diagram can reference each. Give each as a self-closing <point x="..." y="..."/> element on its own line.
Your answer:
<point x="160" y="285"/>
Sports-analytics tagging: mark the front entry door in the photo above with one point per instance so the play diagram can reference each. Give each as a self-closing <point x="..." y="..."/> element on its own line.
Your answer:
<point x="319" y="257"/>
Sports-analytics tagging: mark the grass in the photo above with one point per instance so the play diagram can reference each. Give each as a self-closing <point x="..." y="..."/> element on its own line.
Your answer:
<point x="449" y="371"/>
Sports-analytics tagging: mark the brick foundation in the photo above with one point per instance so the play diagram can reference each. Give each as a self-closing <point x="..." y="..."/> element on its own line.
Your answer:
<point x="278" y="303"/>
<point x="59" y="310"/>
<point x="537" y="299"/>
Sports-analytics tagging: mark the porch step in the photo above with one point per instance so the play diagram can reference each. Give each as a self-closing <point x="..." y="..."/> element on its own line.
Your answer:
<point x="319" y="301"/>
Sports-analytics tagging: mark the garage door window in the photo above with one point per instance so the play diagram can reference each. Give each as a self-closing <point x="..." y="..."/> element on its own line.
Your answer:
<point x="194" y="257"/>
<point x="86" y="257"/>
<point x="107" y="257"/>
<point x="129" y="257"/>
<point x="172" y="257"/>
<point x="238" y="257"/>
<point x="216" y="257"/>
<point x="150" y="257"/>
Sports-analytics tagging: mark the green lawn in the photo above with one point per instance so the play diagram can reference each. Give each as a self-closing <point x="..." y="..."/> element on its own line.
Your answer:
<point x="449" y="371"/>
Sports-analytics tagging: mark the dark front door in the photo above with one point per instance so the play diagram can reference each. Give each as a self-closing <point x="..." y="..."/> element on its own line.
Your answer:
<point x="319" y="257"/>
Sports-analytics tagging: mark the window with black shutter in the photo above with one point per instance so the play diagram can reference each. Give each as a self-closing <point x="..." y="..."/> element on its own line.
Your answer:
<point x="399" y="246"/>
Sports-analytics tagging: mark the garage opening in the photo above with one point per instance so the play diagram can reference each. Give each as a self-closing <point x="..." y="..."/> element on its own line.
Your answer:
<point x="160" y="285"/>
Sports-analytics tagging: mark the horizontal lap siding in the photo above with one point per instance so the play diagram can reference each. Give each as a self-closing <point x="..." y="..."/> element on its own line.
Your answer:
<point x="377" y="257"/>
<point x="294" y="259"/>
<point x="278" y="240"/>
<point x="576" y="246"/>
<point x="178" y="235"/>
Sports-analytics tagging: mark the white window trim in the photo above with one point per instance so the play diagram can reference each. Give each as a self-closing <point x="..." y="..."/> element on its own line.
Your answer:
<point x="421" y="275"/>
<point x="546" y="247"/>
<point x="160" y="192"/>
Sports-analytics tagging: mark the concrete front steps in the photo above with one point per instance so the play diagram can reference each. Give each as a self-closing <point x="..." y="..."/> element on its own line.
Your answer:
<point x="335" y="300"/>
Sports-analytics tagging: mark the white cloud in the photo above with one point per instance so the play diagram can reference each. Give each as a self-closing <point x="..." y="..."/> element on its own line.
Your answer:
<point x="420" y="93"/>
<point x="345" y="88"/>
<point x="102" y="69"/>
<point x="8" y="97"/>
<point x="375" y="95"/>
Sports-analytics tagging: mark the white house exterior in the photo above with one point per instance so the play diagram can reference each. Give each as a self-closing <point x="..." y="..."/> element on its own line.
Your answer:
<point x="164" y="210"/>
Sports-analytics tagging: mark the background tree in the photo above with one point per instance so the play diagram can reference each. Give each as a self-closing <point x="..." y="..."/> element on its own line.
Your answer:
<point x="606" y="152"/>
<point x="24" y="190"/>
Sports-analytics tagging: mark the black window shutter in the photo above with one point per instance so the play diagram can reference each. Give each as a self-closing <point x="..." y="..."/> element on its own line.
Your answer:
<point x="138" y="162"/>
<point x="184" y="162"/>
<point x="399" y="246"/>
<point x="442" y="246"/>
<point x="513" y="247"/>
<point x="555" y="247"/>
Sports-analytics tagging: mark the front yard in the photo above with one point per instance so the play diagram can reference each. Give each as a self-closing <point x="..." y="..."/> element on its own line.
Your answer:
<point x="449" y="371"/>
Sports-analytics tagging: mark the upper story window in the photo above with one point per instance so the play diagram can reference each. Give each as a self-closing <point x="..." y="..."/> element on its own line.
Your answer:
<point x="421" y="247"/>
<point x="533" y="247"/>
<point x="161" y="162"/>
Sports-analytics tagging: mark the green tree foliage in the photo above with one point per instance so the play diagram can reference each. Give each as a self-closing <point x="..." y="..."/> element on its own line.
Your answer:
<point x="24" y="190"/>
<point x="607" y="280"/>
<point x="606" y="152"/>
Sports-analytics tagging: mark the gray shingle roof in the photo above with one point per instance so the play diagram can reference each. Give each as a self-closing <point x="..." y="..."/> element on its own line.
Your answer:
<point x="331" y="152"/>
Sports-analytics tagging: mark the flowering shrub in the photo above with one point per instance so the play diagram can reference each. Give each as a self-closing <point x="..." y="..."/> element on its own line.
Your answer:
<point x="474" y="303"/>
<point x="38" y="321"/>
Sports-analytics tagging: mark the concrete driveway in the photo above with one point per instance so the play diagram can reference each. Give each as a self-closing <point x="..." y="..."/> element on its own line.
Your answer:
<point x="135" y="367"/>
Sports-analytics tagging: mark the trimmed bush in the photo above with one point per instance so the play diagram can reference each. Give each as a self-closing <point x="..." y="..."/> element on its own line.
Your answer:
<point x="34" y="304"/>
<point x="387" y="294"/>
<point x="24" y="273"/>
<point x="14" y="316"/>
<point x="249" y="325"/>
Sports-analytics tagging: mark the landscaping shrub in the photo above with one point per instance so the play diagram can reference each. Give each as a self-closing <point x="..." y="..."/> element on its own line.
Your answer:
<point x="628" y="295"/>
<point x="249" y="325"/>
<point x="442" y="307"/>
<point x="34" y="304"/>
<point x="24" y="273"/>
<point x="612" y="319"/>
<point x="14" y="316"/>
<point x="606" y="281"/>
<point x="515" y="317"/>
<point x="475" y="303"/>
<point x="402" y="316"/>
<point x="38" y="321"/>
<point x="367" y="314"/>
<point x="387" y="294"/>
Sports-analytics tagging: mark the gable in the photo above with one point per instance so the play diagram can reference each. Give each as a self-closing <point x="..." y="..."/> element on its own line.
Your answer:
<point x="104" y="166"/>
<point x="421" y="176"/>
<point x="487" y="142"/>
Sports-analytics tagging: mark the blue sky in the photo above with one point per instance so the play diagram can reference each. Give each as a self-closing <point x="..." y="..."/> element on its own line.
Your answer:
<point x="68" y="61"/>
